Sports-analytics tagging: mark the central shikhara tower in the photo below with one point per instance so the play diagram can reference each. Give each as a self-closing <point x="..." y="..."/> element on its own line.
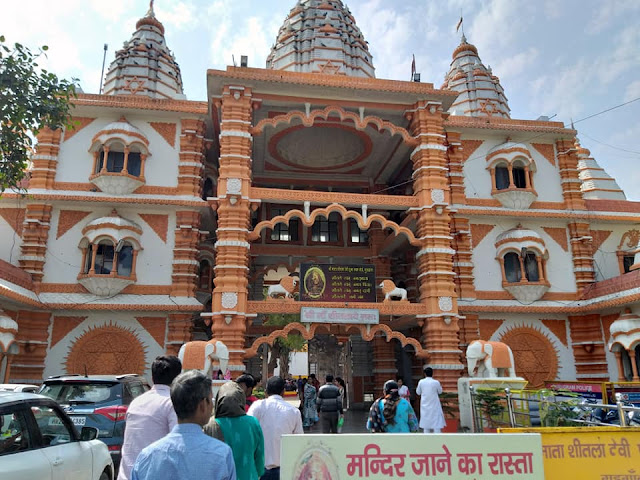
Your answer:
<point x="160" y="220"/>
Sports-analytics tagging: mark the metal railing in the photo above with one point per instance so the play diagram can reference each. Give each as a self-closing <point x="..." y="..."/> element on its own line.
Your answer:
<point x="503" y="408"/>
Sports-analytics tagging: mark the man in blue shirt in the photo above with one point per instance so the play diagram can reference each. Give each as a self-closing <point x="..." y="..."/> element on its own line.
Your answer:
<point x="187" y="452"/>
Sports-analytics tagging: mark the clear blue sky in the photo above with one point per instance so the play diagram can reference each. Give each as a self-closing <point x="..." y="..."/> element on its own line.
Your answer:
<point x="570" y="58"/>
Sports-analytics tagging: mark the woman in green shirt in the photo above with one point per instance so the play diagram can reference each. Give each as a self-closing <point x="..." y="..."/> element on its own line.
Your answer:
<point x="241" y="432"/>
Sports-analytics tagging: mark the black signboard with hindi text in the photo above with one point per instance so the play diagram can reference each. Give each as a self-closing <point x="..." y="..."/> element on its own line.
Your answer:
<point x="337" y="283"/>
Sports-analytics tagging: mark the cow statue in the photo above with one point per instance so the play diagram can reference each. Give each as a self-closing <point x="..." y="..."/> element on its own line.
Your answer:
<point x="494" y="360"/>
<point x="199" y="355"/>
<point x="283" y="290"/>
<point x="391" y="291"/>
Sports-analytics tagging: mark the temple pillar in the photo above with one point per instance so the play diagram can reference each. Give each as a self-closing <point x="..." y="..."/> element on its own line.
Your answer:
<point x="634" y="367"/>
<point x="184" y="277"/>
<point x="230" y="292"/>
<point x="33" y="339"/>
<point x="35" y="233"/>
<point x="45" y="159"/>
<point x="435" y="258"/>
<point x="384" y="363"/>
<point x="179" y="332"/>
<point x="191" y="164"/>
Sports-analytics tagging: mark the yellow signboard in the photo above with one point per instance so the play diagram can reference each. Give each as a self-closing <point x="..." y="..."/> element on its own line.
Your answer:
<point x="599" y="453"/>
<point x="376" y="456"/>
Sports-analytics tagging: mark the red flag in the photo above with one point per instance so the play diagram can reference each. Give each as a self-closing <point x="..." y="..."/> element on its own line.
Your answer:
<point x="459" y="25"/>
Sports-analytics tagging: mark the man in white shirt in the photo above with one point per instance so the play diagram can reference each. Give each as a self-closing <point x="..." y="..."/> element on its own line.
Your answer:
<point x="431" y="415"/>
<point x="151" y="415"/>
<point x="276" y="418"/>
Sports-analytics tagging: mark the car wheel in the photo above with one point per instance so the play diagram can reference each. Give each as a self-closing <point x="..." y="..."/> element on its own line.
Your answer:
<point x="105" y="475"/>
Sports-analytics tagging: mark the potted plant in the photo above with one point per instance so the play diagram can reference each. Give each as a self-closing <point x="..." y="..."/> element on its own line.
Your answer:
<point x="490" y="403"/>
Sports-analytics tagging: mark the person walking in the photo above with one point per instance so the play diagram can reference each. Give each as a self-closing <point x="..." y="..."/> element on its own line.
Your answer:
<point x="187" y="452"/>
<point x="329" y="406"/>
<point x="276" y="418"/>
<point x="314" y="381"/>
<point x="431" y="414"/>
<point x="392" y="413"/>
<point x="309" y="409"/>
<point x="240" y="431"/>
<point x="151" y="415"/>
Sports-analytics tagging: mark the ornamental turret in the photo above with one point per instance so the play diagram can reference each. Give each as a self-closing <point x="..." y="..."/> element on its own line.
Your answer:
<point x="145" y="65"/>
<point x="321" y="36"/>
<point x="596" y="183"/>
<point x="481" y="94"/>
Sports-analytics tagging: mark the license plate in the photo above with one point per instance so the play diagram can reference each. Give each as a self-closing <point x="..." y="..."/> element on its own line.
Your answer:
<point x="79" y="421"/>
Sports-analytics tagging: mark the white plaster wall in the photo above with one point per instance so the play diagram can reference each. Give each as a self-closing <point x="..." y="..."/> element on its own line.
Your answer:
<point x="10" y="243"/>
<point x="605" y="258"/>
<point x="75" y="163"/>
<point x="56" y="355"/>
<point x="566" y="361"/>
<point x="477" y="179"/>
<point x="154" y="264"/>
<point x="487" y="271"/>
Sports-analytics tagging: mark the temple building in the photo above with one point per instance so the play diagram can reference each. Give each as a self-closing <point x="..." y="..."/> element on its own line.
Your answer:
<point x="158" y="220"/>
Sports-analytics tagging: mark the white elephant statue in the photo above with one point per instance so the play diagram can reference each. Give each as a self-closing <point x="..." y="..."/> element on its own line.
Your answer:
<point x="199" y="355"/>
<point x="494" y="360"/>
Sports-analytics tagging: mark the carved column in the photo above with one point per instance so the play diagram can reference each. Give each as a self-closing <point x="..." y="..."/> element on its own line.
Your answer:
<point x="179" y="332"/>
<point x="580" y="232"/>
<point x="384" y="363"/>
<point x="45" y="160"/>
<point x="382" y="263"/>
<point x="192" y="148"/>
<point x="462" y="264"/>
<point x="230" y="293"/>
<point x="456" y="175"/>
<point x="185" y="256"/>
<point x="634" y="367"/>
<point x="33" y="339"/>
<point x="435" y="263"/>
<point x="588" y="347"/>
<point x="35" y="232"/>
<point x="618" y="354"/>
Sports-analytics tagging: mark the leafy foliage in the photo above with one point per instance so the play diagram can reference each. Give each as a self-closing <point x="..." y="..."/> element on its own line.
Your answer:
<point x="30" y="99"/>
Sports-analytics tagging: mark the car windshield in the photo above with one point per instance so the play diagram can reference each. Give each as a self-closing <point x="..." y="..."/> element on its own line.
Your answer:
<point x="82" y="392"/>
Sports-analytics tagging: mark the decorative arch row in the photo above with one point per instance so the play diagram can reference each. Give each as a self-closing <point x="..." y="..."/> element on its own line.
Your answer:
<point x="325" y="212"/>
<point x="360" y="123"/>
<point x="366" y="332"/>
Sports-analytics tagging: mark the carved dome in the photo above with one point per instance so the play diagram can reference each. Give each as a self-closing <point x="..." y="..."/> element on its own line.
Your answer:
<point x="114" y="227"/>
<point x="518" y="238"/>
<point x="625" y="331"/>
<point x="321" y="36"/>
<point x="145" y="65"/>
<point x="481" y="94"/>
<point x="596" y="183"/>
<point x="122" y="130"/>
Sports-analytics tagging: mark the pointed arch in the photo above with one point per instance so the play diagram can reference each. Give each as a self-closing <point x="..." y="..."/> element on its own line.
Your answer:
<point x="325" y="212"/>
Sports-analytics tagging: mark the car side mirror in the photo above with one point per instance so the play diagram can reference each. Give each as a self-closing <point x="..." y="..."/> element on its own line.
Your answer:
<point x="88" y="433"/>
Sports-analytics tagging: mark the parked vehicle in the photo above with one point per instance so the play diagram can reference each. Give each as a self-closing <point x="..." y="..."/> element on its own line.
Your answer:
<point x="39" y="441"/>
<point x="98" y="401"/>
<point x="18" y="387"/>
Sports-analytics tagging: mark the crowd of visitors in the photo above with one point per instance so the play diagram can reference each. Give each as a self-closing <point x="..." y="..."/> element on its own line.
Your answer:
<point x="177" y="430"/>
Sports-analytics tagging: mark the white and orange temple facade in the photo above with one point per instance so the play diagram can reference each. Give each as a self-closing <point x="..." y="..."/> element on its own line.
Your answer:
<point x="158" y="220"/>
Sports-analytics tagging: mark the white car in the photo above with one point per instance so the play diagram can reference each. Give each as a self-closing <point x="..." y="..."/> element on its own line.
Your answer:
<point x="39" y="441"/>
<point x="19" y="387"/>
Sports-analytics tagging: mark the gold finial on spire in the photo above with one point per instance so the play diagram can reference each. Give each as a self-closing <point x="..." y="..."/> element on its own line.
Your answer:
<point x="150" y="12"/>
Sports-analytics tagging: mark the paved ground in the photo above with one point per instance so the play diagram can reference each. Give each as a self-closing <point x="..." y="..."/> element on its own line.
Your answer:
<point x="354" y="420"/>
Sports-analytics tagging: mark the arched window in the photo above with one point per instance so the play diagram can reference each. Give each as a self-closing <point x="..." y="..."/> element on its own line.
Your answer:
<point x="103" y="263"/>
<point x="627" y="369"/>
<point x="134" y="162"/>
<point x="512" y="269"/>
<point x="523" y="267"/>
<point x="627" y="248"/>
<point x="125" y="260"/>
<point x="519" y="174"/>
<point x="502" y="177"/>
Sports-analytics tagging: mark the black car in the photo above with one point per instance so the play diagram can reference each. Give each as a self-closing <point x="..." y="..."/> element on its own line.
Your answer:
<point x="98" y="401"/>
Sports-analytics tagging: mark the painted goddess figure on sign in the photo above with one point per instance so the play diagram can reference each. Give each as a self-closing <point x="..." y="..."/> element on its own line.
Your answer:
<point x="314" y="282"/>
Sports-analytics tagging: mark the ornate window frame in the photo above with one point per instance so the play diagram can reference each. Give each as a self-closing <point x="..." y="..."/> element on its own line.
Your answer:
<point x="118" y="135"/>
<point x="514" y="195"/>
<point x="627" y="250"/>
<point x="295" y="224"/>
<point x="112" y="231"/>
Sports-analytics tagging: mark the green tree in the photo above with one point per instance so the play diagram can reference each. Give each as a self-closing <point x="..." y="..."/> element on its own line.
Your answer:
<point x="283" y="347"/>
<point x="30" y="98"/>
